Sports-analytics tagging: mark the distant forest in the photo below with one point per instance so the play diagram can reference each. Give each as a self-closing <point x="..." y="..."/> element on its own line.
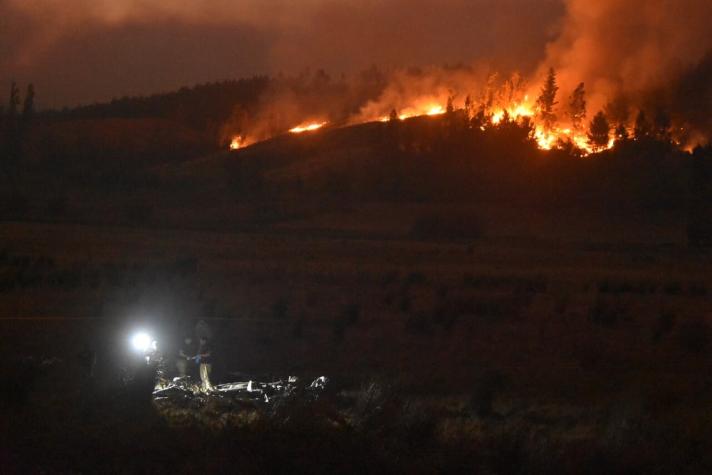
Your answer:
<point x="199" y="107"/>
<point x="206" y="107"/>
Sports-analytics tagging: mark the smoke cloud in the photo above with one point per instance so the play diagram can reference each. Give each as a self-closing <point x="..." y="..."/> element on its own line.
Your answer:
<point x="640" y="49"/>
<point x="655" y="53"/>
<point x="86" y="50"/>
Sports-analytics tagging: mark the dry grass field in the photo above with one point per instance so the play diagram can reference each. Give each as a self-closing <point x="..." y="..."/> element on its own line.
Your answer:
<point x="516" y="345"/>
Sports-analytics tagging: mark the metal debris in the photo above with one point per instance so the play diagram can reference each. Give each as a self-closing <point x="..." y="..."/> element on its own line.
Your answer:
<point x="260" y="392"/>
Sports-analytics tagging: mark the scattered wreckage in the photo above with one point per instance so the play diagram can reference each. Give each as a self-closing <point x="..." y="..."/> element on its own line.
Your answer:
<point x="255" y="392"/>
<point x="184" y="390"/>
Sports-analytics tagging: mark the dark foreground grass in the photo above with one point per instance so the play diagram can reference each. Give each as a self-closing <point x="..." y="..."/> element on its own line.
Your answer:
<point x="376" y="427"/>
<point x="445" y="357"/>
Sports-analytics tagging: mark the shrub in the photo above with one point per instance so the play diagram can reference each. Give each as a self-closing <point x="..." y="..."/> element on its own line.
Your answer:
<point x="348" y="317"/>
<point x="672" y="288"/>
<point x="280" y="309"/>
<point x="486" y="389"/>
<point x="607" y="313"/>
<point x="440" y="226"/>
<point x="376" y="408"/>
<point x="416" y="427"/>
<point x="419" y="324"/>
<point x="447" y="313"/>
<point x="352" y="313"/>
<point x="415" y="278"/>
<point x="186" y="266"/>
<point x="138" y="213"/>
<point x="14" y="206"/>
<point x="338" y="329"/>
<point x="663" y="325"/>
<point x="626" y="287"/>
<point x="390" y="277"/>
<point x="57" y="206"/>
<point x="694" y="336"/>
<point x="298" y="328"/>
<point x="697" y="289"/>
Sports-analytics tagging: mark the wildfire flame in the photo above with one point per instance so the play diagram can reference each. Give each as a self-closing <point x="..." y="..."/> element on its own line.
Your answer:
<point x="435" y="110"/>
<point x="238" y="142"/>
<point x="546" y="139"/>
<point x="516" y="111"/>
<point x="307" y="127"/>
<point x="429" y="109"/>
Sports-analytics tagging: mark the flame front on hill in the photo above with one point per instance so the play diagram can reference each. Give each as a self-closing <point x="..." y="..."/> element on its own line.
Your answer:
<point x="238" y="142"/>
<point x="307" y="127"/>
<point x="500" y="113"/>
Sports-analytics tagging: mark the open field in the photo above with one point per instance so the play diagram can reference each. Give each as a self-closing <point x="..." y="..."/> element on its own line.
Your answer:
<point x="580" y="342"/>
<point x="294" y="293"/>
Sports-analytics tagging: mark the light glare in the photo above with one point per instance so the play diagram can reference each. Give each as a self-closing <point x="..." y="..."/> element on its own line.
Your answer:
<point x="141" y="342"/>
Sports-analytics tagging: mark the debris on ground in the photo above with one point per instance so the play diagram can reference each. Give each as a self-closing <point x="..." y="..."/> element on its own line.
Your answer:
<point x="259" y="392"/>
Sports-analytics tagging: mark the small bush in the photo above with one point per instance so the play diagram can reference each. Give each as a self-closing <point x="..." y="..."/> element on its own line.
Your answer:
<point x="352" y="313"/>
<point x="186" y="266"/>
<point x="298" y="328"/>
<point x="663" y="325"/>
<point x="405" y="303"/>
<point x="485" y="392"/>
<point x="338" y="329"/>
<point x="138" y="213"/>
<point x="348" y="317"/>
<point x="280" y="309"/>
<point x="416" y="427"/>
<point x="14" y="206"/>
<point x="626" y="287"/>
<point x="439" y="226"/>
<point x="57" y="206"/>
<point x="672" y="288"/>
<point x="694" y="336"/>
<point x="415" y="278"/>
<point x="607" y="313"/>
<point x="390" y="277"/>
<point x="312" y="300"/>
<point x="697" y="289"/>
<point x="377" y="407"/>
<point x="66" y="279"/>
<point x="419" y="324"/>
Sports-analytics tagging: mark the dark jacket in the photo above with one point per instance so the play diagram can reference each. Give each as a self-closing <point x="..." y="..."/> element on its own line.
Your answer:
<point x="205" y="352"/>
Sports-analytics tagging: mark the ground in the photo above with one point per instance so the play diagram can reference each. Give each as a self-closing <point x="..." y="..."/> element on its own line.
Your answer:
<point x="530" y="342"/>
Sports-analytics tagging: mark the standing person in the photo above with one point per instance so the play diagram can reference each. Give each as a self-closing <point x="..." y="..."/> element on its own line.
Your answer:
<point x="185" y="356"/>
<point x="205" y="360"/>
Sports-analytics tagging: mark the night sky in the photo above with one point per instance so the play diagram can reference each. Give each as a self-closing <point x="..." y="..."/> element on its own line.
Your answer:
<point x="80" y="51"/>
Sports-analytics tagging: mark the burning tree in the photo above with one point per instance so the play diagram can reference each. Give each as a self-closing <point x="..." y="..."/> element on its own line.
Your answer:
<point x="618" y="111"/>
<point x="450" y="108"/>
<point x="598" y="135"/>
<point x="468" y="107"/>
<point x="642" y="129"/>
<point x="577" y="107"/>
<point x="547" y="100"/>
<point x="621" y="133"/>
<point x="661" y="126"/>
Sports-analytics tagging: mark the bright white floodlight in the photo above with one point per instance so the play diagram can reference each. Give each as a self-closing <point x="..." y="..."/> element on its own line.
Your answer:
<point x="142" y="342"/>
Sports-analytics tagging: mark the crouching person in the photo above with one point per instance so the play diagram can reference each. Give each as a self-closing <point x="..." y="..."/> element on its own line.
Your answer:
<point x="205" y="360"/>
